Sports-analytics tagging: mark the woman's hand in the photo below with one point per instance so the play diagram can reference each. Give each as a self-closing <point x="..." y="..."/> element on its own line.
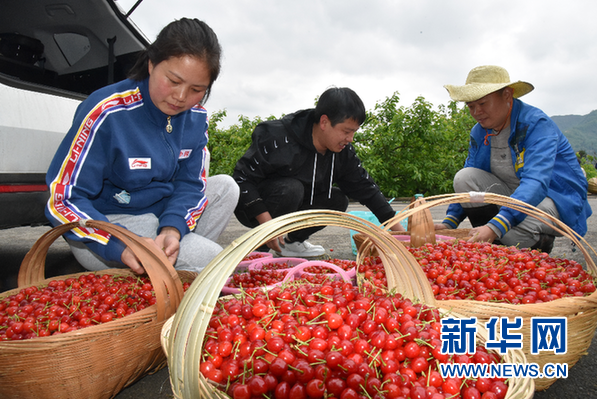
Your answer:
<point x="169" y="241"/>
<point x="130" y="260"/>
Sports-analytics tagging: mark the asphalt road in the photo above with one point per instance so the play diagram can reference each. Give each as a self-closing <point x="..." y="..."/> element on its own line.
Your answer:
<point x="15" y="243"/>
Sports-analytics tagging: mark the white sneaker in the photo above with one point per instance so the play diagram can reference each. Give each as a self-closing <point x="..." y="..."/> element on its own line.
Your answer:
<point x="301" y="250"/>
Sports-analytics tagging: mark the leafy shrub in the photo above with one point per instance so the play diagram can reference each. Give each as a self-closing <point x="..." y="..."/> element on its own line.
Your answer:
<point x="587" y="162"/>
<point x="415" y="149"/>
<point x="228" y="145"/>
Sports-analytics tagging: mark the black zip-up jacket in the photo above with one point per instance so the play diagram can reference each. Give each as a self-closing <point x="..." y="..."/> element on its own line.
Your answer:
<point x="284" y="148"/>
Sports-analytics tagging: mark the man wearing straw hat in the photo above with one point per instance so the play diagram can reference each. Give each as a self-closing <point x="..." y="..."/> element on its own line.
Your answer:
<point x="515" y="150"/>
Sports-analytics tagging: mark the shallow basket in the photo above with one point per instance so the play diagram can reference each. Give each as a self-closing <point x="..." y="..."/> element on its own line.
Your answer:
<point x="298" y="271"/>
<point x="99" y="361"/>
<point x="291" y="262"/>
<point x="258" y="264"/>
<point x="581" y="312"/>
<point x="183" y="334"/>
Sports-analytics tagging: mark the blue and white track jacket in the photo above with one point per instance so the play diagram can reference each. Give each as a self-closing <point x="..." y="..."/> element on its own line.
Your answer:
<point x="544" y="162"/>
<point x="119" y="158"/>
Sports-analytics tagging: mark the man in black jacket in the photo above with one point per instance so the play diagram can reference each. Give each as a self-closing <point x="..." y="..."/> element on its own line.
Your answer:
<point x="306" y="161"/>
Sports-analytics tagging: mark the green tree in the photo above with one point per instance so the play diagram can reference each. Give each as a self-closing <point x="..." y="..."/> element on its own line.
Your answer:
<point x="587" y="162"/>
<point x="228" y="145"/>
<point x="416" y="149"/>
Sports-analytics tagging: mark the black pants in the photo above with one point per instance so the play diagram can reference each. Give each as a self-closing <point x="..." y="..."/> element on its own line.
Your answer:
<point x="287" y="195"/>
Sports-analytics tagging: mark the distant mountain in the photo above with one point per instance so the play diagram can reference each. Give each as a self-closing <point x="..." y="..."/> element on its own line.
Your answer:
<point x="580" y="130"/>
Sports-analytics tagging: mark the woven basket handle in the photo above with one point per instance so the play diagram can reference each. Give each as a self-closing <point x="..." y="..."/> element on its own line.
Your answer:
<point x="164" y="278"/>
<point x="421" y="226"/>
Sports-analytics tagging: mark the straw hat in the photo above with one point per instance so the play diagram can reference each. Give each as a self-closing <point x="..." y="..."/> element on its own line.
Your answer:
<point x="484" y="80"/>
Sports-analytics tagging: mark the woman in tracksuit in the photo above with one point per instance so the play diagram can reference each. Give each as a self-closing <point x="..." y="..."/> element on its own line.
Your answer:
<point x="136" y="156"/>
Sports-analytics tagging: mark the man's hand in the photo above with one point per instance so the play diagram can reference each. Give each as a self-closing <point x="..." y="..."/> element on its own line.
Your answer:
<point x="482" y="234"/>
<point x="397" y="227"/>
<point x="276" y="242"/>
<point x="440" y="226"/>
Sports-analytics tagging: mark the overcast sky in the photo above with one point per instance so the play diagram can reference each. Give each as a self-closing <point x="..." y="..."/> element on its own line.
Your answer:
<point x="279" y="55"/>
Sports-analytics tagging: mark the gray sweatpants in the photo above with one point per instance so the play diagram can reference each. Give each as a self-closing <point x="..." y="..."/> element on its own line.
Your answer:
<point x="524" y="234"/>
<point x="197" y="248"/>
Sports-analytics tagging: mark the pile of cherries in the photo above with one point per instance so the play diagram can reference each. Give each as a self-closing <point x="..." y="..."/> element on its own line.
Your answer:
<point x="333" y="340"/>
<point x="489" y="272"/>
<point x="255" y="256"/>
<point x="271" y="273"/>
<point x="343" y="264"/>
<point x="319" y="278"/>
<point x="256" y="278"/>
<point x="73" y="303"/>
<point x="276" y="266"/>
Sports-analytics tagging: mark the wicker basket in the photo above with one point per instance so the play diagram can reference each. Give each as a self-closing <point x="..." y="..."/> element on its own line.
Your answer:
<point x="97" y="361"/>
<point x="592" y="185"/>
<point x="581" y="312"/>
<point x="183" y="334"/>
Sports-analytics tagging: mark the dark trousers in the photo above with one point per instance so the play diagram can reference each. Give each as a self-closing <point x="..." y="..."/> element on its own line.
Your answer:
<point x="287" y="195"/>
